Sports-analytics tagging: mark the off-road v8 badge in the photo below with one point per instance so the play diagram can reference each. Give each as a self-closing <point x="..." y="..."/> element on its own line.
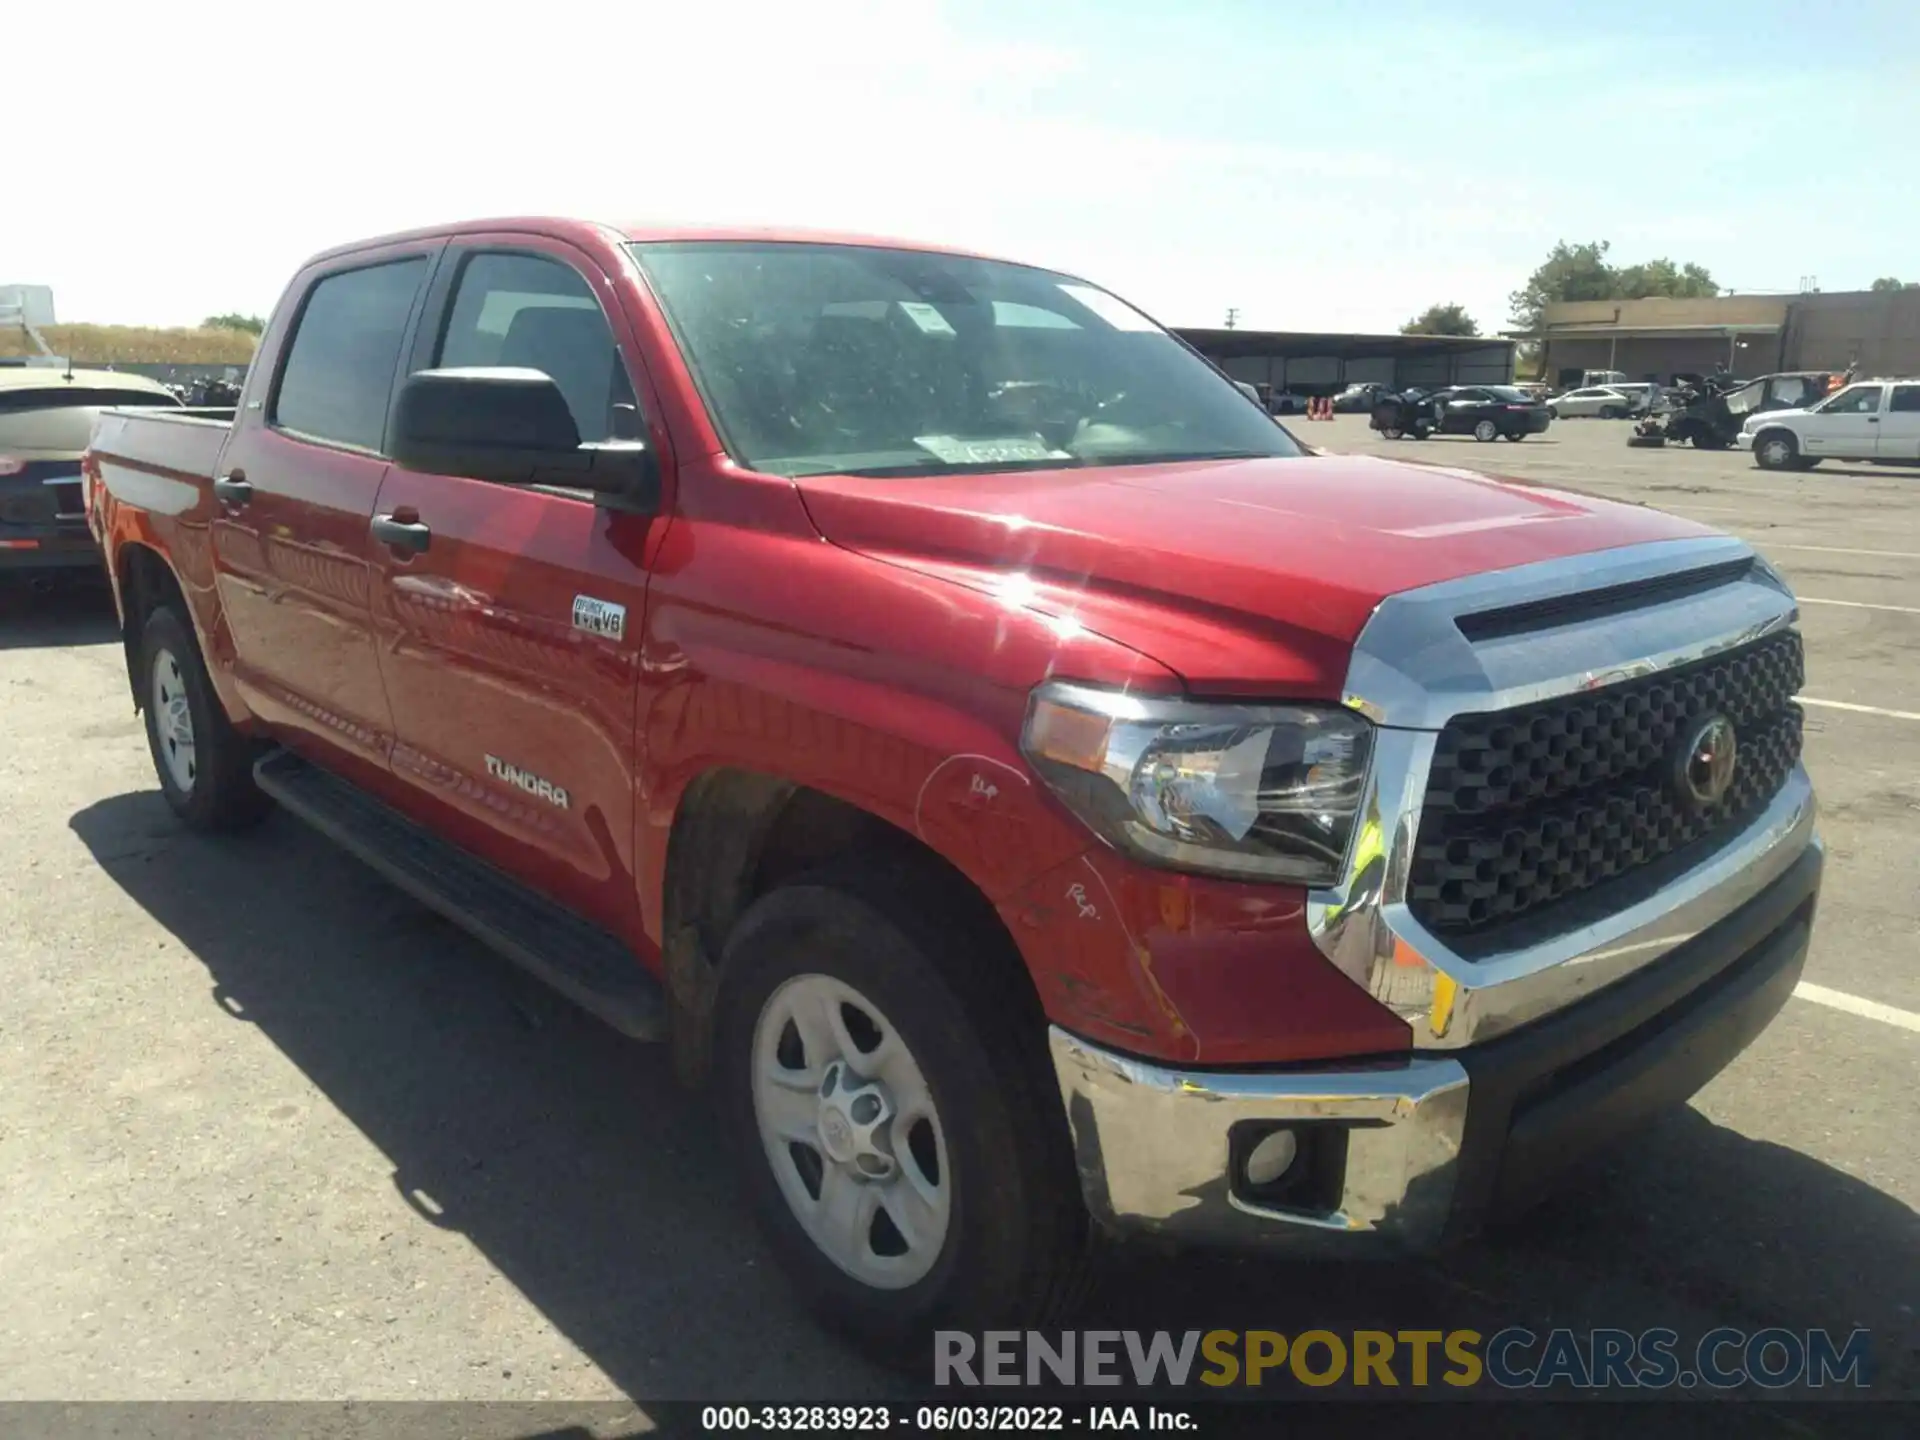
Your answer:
<point x="599" y="617"/>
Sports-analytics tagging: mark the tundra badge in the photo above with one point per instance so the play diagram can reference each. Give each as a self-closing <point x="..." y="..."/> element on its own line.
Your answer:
<point x="528" y="781"/>
<point x="599" y="617"/>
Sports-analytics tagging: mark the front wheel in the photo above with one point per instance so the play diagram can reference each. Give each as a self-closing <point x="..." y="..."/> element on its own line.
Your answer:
<point x="204" y="765"/>
<point x="1776" y="450"/>
<point x="1610" y="412"/>
<point x="1393" y="432"/>
<point x="1485" y="431"/>
<point x="1421" y="432"/>
<point x="895" y="1113"/>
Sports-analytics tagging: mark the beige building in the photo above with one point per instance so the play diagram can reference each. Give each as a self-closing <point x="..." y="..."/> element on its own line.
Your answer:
<point x="1748" y="334"/>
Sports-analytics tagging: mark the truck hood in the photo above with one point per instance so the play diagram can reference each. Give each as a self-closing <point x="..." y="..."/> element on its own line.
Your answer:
<point x="1244" y="576"/>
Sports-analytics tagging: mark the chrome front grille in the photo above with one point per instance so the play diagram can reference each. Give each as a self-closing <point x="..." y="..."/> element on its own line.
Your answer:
<point x="1612" y="854"/>
<point x="1530" y="806"/>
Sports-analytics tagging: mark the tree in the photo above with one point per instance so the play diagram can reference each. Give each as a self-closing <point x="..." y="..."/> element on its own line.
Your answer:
<point x="1663" y="277"/>
<point x="1891" y="282"/>
<point x="1441" y="320"/>
<point x="1581" y="272"/>
<point x="1570" y="272"/>
<point x="252" y="324"/>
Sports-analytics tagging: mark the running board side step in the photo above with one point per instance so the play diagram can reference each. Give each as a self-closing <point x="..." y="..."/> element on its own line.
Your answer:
<point x="588" y="965"/>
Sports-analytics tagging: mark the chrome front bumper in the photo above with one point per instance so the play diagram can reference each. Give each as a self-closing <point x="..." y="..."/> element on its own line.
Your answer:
<point x="1153" y="1146"/>
<point x="1434" y="1144"/>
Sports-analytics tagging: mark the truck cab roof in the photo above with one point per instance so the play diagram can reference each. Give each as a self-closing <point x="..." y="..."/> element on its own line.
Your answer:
<point x="643" y="232"/>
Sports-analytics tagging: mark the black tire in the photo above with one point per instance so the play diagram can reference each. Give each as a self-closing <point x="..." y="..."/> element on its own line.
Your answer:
<point x="1422" y="432"/>
<point x="1776" y="450"/>
<point x="1018" y="1245"/>
<point x="1516" y="435"/>
<point x="1393" y="432"/>
<point x="1552" y="414"/>
<point x="1610" y="412"/>
<point x="1485" y="431"/>
<point x="221" y="794"/>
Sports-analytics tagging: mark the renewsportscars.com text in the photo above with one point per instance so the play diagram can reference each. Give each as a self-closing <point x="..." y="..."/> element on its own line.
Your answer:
<point x="1513" y="1358"/>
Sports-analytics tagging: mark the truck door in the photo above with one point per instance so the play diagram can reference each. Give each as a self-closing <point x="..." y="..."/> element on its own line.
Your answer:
<point x="291" y="557"/>
<point x="1847" y="427"/>
<point x="510" y="619"/>
<point x="1900" y="426"/>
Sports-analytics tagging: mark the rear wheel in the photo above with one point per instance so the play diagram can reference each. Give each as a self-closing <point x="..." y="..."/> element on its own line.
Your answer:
<point x="1393" y="432"/>
<point x="1516" y="435"/>
<point x="204" y="765"/>
<point x="901" y="1133"/>
<point x="1485" y="430"/>
<point x="1611" y="412"/>
<point x="1776" y="450"/>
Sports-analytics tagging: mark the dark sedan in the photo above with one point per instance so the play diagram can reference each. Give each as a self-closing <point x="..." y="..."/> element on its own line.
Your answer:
<point x="1489" y="412"/>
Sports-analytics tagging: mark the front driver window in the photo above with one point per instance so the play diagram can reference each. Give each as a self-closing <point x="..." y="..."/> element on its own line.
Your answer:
<point x="528" y="310"/>
<point x="1856" y="400"/>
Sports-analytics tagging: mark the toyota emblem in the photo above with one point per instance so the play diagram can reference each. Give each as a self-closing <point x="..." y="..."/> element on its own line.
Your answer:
<point x="1703" y="768"/>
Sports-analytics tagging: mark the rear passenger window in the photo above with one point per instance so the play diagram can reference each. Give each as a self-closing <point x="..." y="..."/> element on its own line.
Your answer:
<point x="536" y="313"/>
<point x="1906" y="398"/>
<point x="340" y="365"/>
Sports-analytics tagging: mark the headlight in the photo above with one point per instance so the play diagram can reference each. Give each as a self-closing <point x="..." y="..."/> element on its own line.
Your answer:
<point x="1255" y="792"/>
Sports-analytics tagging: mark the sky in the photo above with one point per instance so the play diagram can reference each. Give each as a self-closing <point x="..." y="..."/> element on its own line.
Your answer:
<point x="1329" y="167"/>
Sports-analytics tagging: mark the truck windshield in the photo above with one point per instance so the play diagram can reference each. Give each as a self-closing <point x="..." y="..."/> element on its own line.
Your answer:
<point x="852" y="360"/>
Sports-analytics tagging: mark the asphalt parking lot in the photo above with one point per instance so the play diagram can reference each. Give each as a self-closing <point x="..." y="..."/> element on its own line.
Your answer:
<point x="269" y="1130"/>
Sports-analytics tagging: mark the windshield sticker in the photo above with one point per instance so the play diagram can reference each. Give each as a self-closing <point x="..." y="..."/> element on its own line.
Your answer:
<point x="926" y="317"/>
<point x="1116" y="312"/>
<point x="1013" y="450"/>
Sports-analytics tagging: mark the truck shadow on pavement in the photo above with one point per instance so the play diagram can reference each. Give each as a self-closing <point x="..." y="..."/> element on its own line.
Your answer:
<point x="57" y="609"/>
<point x="569" y="1158"/>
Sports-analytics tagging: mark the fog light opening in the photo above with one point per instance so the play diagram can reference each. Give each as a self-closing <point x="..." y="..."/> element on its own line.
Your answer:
<point x="1271" y="1158"/>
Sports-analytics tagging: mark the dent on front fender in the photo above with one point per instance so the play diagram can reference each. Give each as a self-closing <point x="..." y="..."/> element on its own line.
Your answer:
<point x="1189" y="969"/>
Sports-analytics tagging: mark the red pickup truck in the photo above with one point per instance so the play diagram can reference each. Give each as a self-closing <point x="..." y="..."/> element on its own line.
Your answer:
<point x="1039" y="796"/>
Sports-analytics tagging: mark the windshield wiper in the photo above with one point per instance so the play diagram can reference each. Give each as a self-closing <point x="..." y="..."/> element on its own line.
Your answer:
<point x="963" y="467"/>
<point x="1179" y="457"/>
<point x="1078" y="462"/>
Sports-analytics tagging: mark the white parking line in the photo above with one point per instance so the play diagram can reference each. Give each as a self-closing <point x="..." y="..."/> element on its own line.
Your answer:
<point x="1854" y="1005"/>
<point x="1860" y="709"/>
<point x="1858" y="604"/>
<point x="1843" y="550"/>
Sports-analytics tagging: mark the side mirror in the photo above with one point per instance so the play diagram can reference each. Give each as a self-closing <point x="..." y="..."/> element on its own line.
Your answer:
<point x="512" y="426"/>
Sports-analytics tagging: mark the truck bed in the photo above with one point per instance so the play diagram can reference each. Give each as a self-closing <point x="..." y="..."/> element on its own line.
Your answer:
<point x="179" y="443"/>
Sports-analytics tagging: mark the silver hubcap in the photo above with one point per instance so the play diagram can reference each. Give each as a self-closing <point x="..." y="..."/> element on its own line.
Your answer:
<point x="173" y="721"/>
<point x="849" y="1128"/>
<point x="1484" y="430"/>
<point x="1775" y="452"/>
